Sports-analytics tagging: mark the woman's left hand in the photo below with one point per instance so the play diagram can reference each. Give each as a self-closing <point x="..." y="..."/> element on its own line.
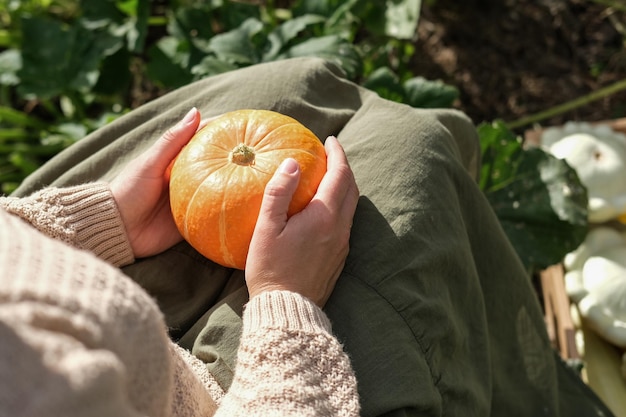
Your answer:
<point x="304" y="253"/>
<point x="141" y="191"/>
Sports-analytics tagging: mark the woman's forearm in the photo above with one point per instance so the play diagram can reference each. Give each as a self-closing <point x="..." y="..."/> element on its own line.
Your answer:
<point x="83" y="216"/>
<point x="289" y="363"/>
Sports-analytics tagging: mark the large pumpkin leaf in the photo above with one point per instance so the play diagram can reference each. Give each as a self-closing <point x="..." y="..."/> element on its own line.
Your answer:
<point x="285" y="33"/>
<point x="385" y="83"/>
<point x="138" y="12"/>
<point x="539" y="199"/>
<point x="342" y="20"/>
<point x="169" y="60"/>
<point x="58" y="57"/>
<point x="424" y="93"/>
<point x="236" y="45"/>
<point x="231" y="14"/>
<point x="331" y="47"/>
<point x="417" y="91"/>
<point x="210" y="65"/>
<point x="122" y="18"/>
<point x="191" y="24"/>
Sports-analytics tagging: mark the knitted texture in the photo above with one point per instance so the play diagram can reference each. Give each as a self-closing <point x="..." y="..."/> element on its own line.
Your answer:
<point x="292" y="365"/>
<point x="85" y="216"/>
<point x="79" y="338"/>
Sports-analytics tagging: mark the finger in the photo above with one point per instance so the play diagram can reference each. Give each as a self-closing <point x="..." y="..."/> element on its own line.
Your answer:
<point x="347" y="198"/>
<point x="277" y="196"/>
<point x="173" y="140"/>
<point x="338" y="183"/>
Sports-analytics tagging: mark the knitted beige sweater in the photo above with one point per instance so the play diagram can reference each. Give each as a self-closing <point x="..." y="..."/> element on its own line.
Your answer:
<point x="79" y="338"/>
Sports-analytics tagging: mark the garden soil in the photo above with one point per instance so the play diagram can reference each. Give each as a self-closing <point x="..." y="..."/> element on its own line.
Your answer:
<point x="514" y="58"/>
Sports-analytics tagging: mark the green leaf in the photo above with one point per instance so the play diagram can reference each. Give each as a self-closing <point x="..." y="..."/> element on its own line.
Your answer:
<point x="539" y="199"/>
<point x="168" y="63"/>
<point x="386" y="84"/>
<point x="232" y="14"/>
<point x="500" y="154"/>
<point x="10" y="116"/>
<point x="544" y="211"/>
<point x="128" y="7"/>
<point x="58" y="57"/>
<point x="23" y="162"/>
<point x="343" y="20"/>
<point x="319" y="7"/>
<point x="424" y="93"/>
<point x="114" y="74"/>
<point x="6" y="39"/>
<point x="100" y="14"/>
<point x="10" y="64"/>
<point x="332" y="48"/>
<point x="192" y="24"/>
<point x="211" y="66"/>
<point x="66" y="134"/>
<point x="280" y="37"/>
<point x="138" y="25"/>
<point x="121" y="18"/>
<point x="402" y="17"/>
<point x="13" y="134"/>
<point x="373" y="16"/>
<point x="236" y="46"/>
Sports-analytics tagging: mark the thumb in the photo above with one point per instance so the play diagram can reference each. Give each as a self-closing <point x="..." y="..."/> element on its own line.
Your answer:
<point x="162" y="154"/>
<point x="278" y="194"/>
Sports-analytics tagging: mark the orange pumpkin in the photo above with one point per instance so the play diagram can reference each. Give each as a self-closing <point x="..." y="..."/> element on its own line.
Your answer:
<point x="218" y="180"/>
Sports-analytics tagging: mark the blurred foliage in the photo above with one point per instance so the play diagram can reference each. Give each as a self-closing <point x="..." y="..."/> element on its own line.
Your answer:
<point x="68" y="67"/>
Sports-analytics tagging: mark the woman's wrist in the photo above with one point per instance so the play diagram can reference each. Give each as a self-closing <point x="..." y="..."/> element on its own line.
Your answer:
<point x="98" y="224"/>
<point x="285" y="310"/>
<point x="84" y="216"/>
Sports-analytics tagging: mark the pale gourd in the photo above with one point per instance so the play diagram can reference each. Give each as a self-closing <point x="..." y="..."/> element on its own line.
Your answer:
<point x="598" y="155"/>
<point x="595" y="279"/>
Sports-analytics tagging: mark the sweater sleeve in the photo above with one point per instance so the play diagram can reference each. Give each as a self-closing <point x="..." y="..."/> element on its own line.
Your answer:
<point x="289" y="363"/>
<point x="84" y="216"/>
<point x="80" y="338"/>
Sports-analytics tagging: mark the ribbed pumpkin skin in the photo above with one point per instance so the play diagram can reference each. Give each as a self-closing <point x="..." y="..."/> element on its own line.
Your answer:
<point x="215" y="201"/>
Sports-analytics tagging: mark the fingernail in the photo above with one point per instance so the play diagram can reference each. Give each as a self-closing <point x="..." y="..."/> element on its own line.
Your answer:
<point x="330" y="139"/>
<point x="289" y="166"/>
<point x="191" y="114"/>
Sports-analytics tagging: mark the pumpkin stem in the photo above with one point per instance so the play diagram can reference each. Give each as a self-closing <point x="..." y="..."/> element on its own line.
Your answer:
<point x="242" y="154"/>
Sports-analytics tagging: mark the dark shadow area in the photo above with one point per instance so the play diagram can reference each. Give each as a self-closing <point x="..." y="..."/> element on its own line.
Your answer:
<point x="513" y="58"/>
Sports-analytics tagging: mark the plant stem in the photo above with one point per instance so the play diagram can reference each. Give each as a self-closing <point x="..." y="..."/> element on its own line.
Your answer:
<point x="242" y="155"/>
<point x="569" y="105"/>
<point x="613" y="4"/>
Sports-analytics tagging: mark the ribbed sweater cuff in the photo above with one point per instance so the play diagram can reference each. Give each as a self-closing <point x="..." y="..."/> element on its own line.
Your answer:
<point x="91" y="211"/>
<point x="84" y="216"/>
<point x="285" y="310"/>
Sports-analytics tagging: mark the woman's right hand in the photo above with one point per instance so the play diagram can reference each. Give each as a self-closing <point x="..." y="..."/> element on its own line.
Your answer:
<point x="306" y="252"/>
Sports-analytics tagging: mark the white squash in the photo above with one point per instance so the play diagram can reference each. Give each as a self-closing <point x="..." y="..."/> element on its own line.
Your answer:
<point x="595" y="279"/>
<point x="579" y="279"/>
<point x="598" y="154"/>
<point x="604" y="310"/>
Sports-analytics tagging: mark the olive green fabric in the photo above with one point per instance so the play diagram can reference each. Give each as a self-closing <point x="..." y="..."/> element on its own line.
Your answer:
<point x="433" y="306"/>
